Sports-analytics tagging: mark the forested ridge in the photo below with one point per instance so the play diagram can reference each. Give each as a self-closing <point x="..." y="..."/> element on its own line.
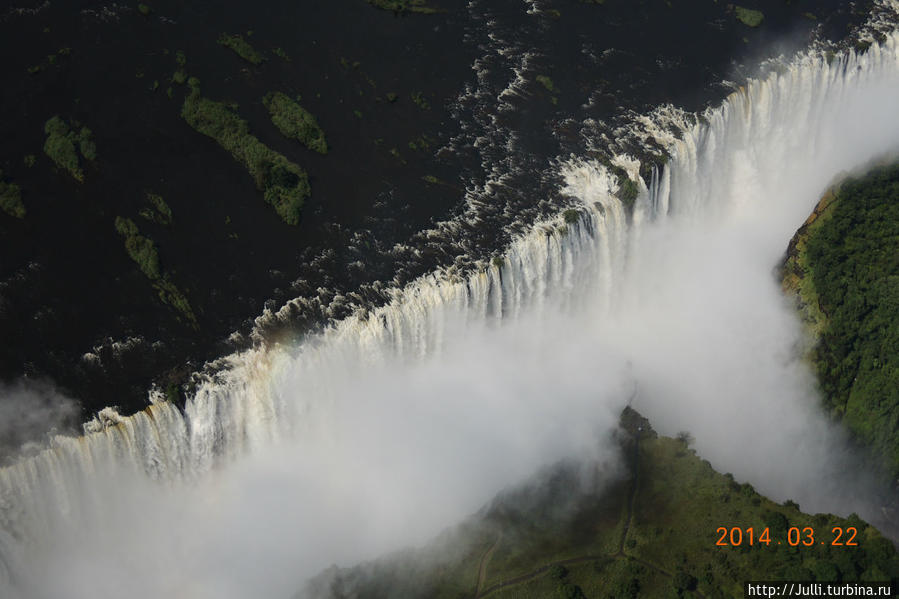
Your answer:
<point x="848" y="260"/>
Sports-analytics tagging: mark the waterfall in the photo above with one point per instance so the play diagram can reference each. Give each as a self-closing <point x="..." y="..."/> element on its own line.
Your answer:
<point x="760" y="157"/>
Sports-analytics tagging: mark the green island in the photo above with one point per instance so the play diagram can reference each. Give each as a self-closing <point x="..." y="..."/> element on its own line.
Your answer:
<point x="652" y="533"/>
<point x="295" y="122"/>
<point x="549" y="86"/>
<point x="61" y="144"/>
<point x="11" y="199"/>
<point x="842" y="268"/>
<point x="284" y="184"/>
<point x="401" y="6"/>
<point x="241" y="47"/>
<point x="143" y="252"/>
<point x="749" y="17"/>
<point x="158" y="211"/>
<point x="418" y="98"/>
<point x="546" y="82"/>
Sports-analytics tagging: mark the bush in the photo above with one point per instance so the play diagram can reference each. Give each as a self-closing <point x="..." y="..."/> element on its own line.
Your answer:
<point x="143" y="252"/>
<point x="571" y="216"/>
<point x="776" y="522"/>
<point x="284" y="184"/>
<point x="294" y="121"/>
<point x="56" y="126"/>
<point x="11" y="200"/>
<point x="683" y="581"/>
<point x="627" y="190"/>
<point x="546" y="82"/>
<point x="139" y="248"/>
<point x="749" y="17"/>
<point x="61" y="151"/>
<point x="61" y="143"/>
<point x="87" y="148"/>
<point x="241" y="47"/>
<point x="419" y="99"/>
<point x="401" y="6"/>
<point x="825" y="571"/>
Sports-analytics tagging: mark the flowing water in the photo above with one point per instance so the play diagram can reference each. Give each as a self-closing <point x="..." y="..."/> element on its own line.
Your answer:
<point x="397" y="421"/>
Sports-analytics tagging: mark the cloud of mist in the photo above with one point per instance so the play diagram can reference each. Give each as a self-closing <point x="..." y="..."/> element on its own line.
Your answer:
<point x="387" y="455"/>
<point x="30" y="411"/>
<point x="717" y="344"/>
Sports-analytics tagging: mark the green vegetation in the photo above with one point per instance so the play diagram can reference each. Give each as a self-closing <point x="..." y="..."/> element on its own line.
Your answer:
<point x="241" y="47"/>
<point x="11" y="199"/>
<point x="571" y="216"/>
<point x="284" y="184"/>
<point x="796" y="279"/>
<point x="280" y="53"/>
<point x="392" y="97"/>
<point x="86" y="146"/>
<point x="158" y="212"/>
<point x="173" y="393"/>
<point x="139" y="248"/>
<point x="842" y="264"/>
<point x="396" y="154"/>
<point x="420" y="100"/>
<point x="546" y="82"/>
<point x="749" y="17"/>
<point x="652" y="534"/>
<point x="144" y="10"/>
<point x="29" y="160"/>
<point x="61" y="143"/>
<point x="401" y="6"/>
<point x="143" y="252"/>
<point x="421" y="143"/>
<point x="180" y="75"/>
<point x="294" y="121"/>
<point x="627" y="189"/>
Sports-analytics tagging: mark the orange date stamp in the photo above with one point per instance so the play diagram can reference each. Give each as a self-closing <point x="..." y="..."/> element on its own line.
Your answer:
<point x="795" y="537"/>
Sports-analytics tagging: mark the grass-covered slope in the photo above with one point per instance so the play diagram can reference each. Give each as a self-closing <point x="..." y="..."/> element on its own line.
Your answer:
<point x="844" y="266"/>
<point x="652" y="532"/>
